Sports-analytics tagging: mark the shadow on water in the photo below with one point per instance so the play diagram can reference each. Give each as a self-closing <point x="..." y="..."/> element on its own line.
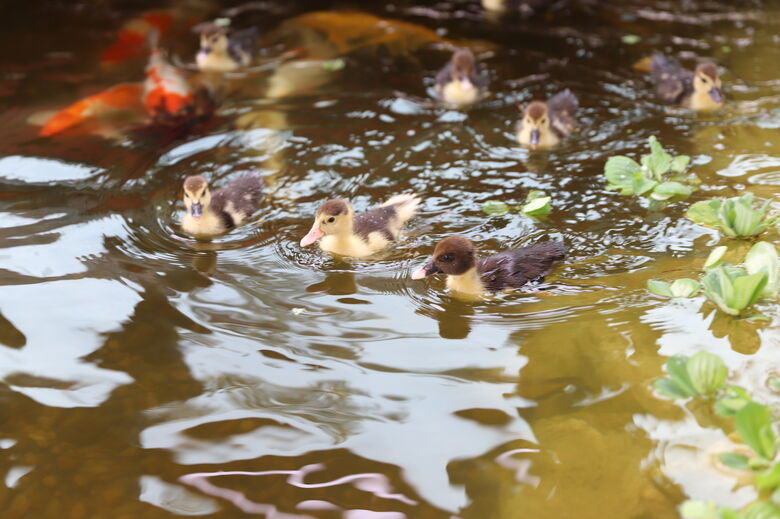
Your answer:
<point x="147" y="374"/>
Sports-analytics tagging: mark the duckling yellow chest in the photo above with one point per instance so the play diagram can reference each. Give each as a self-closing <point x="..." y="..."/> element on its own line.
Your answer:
<point x="468" y="284"/>
<point x="354" y="245"/>
<point x="454" y="94"/>
<point x="207" y="225"/>
<point x="547" y="138"/>
<point x="702" y="102"/>
<point x="217" y="62"/>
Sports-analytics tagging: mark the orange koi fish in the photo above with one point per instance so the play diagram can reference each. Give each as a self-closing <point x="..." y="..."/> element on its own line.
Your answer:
<point x="120" y="98"/>
<point x="166" y="90"/>
<point x="130" y="41"/>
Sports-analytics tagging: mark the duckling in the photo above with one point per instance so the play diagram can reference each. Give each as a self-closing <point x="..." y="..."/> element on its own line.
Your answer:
<point x="341" y="231"/>
<point x="210" y="213"/>
<point x="699" y="90"/>
<point x="544" y="124"/>
<point x="461" y="82"/>
<point x="472" y="276"/>
<point x="223" y="50"/>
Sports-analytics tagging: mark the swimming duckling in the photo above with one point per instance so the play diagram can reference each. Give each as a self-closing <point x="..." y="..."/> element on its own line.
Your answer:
<point x="473" y="276"/>
<point x="461" y="82"/>
<point x="545" y="124"/>
<point x="214" y="213"/>
<point x="341" y="231"/>
<point x="223" y="50"/>
<point x="698" y="90"/>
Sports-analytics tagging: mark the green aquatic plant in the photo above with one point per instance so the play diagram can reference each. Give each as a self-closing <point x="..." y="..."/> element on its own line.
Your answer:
<point x="537" y="203"/>
<point x="704" y="376"/>
<point x="658" y="175"/>
<point x="735" y="217"/>
<point x="733" y="289"/>
<point x="684" y="287"/>
<point x="700" y="375"/>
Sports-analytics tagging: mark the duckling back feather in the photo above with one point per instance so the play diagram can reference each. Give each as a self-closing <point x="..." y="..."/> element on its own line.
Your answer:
<point x="562" y="107"/>
<point x="238" y="200"/>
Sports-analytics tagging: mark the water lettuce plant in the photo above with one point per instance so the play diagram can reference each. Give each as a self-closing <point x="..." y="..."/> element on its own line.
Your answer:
<point x="537" y="203"/>
<point x="704" y="376"/>
<point x="735" y="217"/>
<point x="733" y="289"/>
<point x="658" y="175"/>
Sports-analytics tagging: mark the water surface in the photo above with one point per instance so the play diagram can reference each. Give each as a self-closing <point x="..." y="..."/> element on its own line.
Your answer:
<point x="135" y="360"/>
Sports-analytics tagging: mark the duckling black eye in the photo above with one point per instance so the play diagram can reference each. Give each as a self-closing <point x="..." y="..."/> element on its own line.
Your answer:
<point x="446" y="257"/>
<point x="331" y="219"/>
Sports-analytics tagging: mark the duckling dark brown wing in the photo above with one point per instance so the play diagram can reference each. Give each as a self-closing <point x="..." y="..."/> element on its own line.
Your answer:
<point x="242" y="44"/>
<point x="376" y="220"/>
<point x="562" y="107"/>
<point x="444" y="76"/>
<point x="243" y="193"/>
<point x="672" y="82"/>
<point x="516" y="267"/>
<point x="480" y="79"/>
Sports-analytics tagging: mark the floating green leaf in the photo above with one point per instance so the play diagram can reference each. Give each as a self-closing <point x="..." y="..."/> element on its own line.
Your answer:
<point x="658" y="174"/>
<point x="734" y="461"/>
<point x="669" y="389"/>
<point x="769" y="479"/>
<point x="707" y="372"/>
<point x="748" y="289"/>
<point x="734" y="399"/>
<point x="659" y="288"/>
<point x="704" y="213"/>
<point x="621" y="172"/>
<point x="692" y="509"/>
<point x="680" y="163"/>
<point x="761" y="510"/>
<point x="754" y="426"/>
<point x="762" y="257"/>
<point x="658" y="162"/>
<point x="735" y="217"/>
<point x="715" y="257"/>
<point x="732" y="289"/>
<point x="685" y="287"/>
<point x="538" y="206"/>
<point x="670" y="189"/>
<point x="494" y="207"/>
<point x="631" y="39"/>
<point x="678" y="384"/>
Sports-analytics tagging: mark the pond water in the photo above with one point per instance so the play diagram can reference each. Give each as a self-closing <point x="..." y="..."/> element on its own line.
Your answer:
<point x="135" y="361"/>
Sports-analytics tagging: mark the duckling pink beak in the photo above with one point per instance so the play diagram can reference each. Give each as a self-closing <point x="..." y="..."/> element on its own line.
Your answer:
<point x="535" y="137"/>
<point x="716" y="94"/>
<point x="466" y="83"/>
<point x="426" y="270"/>
<point x="314" y="234"/>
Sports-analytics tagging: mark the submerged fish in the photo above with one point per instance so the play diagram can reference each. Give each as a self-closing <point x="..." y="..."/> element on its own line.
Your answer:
<point x="166" y="90"/>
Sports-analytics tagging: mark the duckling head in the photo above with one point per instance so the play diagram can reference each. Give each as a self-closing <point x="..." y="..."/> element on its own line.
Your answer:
<point x="706" y="80"/>
<point x="537" y="120"/>
<point x="197" y="196"/>
<point x="454" y="256"/>
<point x="213" y="40"/>
<point x="333" y="217"/>
<point x="463" y="68"/>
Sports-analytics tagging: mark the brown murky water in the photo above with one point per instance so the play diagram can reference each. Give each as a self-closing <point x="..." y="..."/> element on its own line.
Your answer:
<point x="135" y="362"/>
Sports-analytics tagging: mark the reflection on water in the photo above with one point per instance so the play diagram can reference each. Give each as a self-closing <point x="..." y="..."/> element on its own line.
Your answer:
<point x="147" y="374"/>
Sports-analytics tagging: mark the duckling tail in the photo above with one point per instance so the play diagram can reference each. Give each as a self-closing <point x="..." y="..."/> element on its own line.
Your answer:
<point x="405" y="205"/>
